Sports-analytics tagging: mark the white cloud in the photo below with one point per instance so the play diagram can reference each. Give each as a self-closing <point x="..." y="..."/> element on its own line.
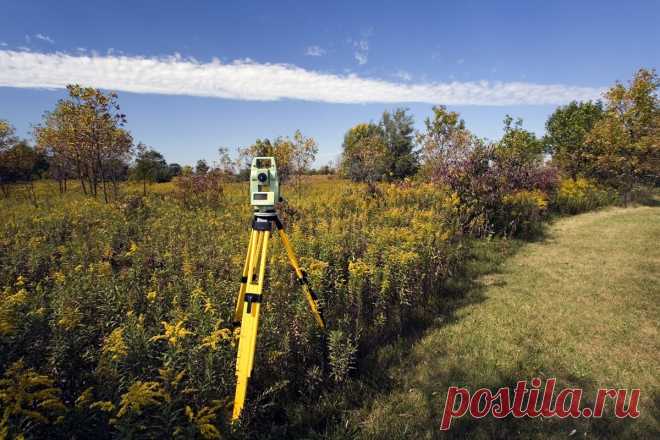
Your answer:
<point x="249" y="80"/>
<point x="45" y="38"/>
<point x="315" y="51"/>
<point x="460" y="61"/>
<point x="3" y="44"/>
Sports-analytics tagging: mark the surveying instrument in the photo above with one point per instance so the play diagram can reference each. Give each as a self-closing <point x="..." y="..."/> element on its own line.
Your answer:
<point x="264" y="193"/>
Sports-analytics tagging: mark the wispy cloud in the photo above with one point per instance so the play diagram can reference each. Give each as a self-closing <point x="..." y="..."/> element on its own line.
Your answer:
<point x="403" y="75"/>
<point x="361" y="53"/>
<point x="3" y="44"/>
<point x="315" y="51"/>
<point x="460" y="61"/>
<point x="248" y="80"/>
<point x="45" y="38"/>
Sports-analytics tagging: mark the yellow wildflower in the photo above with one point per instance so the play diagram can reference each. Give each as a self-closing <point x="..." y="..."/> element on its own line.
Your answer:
<point x="133" y="248"/>
<point x="217" y="336"/>
<point x="208" y="306"/>
<point x="104" y="268"/>
<point x="197" y="291"/>
<point x="115" y="345"/>
<point x="70" y="319"/>
<point x="103" y="405"/>
<point x="173" y="333"/>
<point x="151" y="296"/>
<point x="58" y="277"/>
<point x="203" y="420"/>
<point x="139" y="395"/>
<point x="84" y="398"/>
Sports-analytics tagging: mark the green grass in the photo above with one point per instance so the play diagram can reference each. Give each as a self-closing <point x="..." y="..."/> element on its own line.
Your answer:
<point x="581" y="305"/>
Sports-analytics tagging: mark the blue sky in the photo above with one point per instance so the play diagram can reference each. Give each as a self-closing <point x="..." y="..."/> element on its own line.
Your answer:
<point x="193" y="76"/>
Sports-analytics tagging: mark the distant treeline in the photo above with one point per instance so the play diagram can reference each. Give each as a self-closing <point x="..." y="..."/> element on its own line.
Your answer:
<point x="613" y="142"/>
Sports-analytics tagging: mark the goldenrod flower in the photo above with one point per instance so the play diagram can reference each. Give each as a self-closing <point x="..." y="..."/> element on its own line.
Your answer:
<point x="151" y="296"/>
<point x="139" y="395"/>
<point x="132" y="249"/>
<point x="115" y="345"/>
<point x="217" y="336"/>
<point x="173" y="333"/>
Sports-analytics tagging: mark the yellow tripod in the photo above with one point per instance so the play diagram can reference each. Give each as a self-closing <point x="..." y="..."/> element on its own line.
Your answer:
<point x="249" y="297"/>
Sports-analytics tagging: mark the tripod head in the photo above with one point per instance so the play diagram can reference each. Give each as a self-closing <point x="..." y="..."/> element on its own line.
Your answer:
<point x="264" y="184"/>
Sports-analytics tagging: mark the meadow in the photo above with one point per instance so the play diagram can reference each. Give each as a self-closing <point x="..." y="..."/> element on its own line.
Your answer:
<point x="115" y="318"/>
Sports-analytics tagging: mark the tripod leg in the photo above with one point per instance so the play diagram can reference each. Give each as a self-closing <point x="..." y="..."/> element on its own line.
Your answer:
<point x="311" y="297"/>
<point x="250" y="321"/>
<point x="238" y="311"/>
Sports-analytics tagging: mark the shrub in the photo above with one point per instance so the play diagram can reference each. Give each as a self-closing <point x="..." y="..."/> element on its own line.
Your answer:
<point x="196" y="190"/>
<point x="522" y="212"/>
<point x="580" y="195"/>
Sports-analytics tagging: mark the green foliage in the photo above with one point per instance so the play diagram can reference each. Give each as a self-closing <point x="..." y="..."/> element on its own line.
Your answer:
<point x="202" y="167"/>
<point x="150" y="166"/>
<point x="518" y="146"/>
<point x="385" y="151"/>
<point x="566" y="132"/>
<point x="364" y="151"/>
<point x="341" y="355"/>
<point x="398" y="134"/>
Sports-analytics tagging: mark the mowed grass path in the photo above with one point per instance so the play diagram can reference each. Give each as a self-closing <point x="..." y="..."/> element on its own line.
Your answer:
<point x="581" y="305"/>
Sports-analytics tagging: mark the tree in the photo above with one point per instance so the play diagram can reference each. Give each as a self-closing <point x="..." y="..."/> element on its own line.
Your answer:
<point x="150" y="166"/>
<point x="174" y="169"/>
<point x="281" y="149"/>
<point x="201" y="167"/>
<point x="518" y="159"/>
<point x="623" y="147"/>
<point x="304" y="153"/>
<point x="519" y="145"/>
<point x="444" y="143"/>
<point x="566" y="131"/>
<point x="7" y="138"/>
<point x="85" y="132"/>
<point x="226" y="165"/>
<point x="364" y="155"/>
<point x="398" y="133"/>
<point x="19" y="163"/>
